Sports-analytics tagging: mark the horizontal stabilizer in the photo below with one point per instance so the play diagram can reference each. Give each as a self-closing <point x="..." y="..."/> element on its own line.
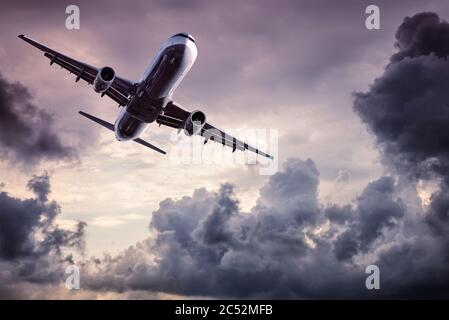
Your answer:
<point x="110" y="126"/>
<point x="105" y="124"/>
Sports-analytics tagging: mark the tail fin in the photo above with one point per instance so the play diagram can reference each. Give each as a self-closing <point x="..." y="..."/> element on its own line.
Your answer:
<point x="110" y="126"/>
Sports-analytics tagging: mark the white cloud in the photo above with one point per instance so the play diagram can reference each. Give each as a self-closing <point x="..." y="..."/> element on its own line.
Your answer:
<point x="114" y="221"/>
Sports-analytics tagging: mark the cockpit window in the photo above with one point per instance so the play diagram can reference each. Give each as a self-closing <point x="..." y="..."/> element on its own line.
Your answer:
<point x="185" y="35"/>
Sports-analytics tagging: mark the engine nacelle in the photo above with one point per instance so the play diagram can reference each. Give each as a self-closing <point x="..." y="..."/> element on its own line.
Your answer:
<point x="104" y="79"/>
<point x="194" y="123"/>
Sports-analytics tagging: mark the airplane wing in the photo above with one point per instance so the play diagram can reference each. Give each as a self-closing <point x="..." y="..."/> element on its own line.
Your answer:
<point x="119" y="90"/>
<point x="174" y="116"/>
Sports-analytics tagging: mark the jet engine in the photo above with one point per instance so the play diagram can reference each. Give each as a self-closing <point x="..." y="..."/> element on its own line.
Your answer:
<point x="104" y="79"/>
<point x="194" y="123"/>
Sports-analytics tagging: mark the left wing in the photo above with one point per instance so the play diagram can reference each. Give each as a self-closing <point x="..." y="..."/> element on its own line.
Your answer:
<point x="174" y="116"/>
<point x="120" y="89"/>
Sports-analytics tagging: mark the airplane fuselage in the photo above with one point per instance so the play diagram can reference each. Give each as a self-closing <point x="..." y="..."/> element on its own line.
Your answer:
<point x="154" y="90"/>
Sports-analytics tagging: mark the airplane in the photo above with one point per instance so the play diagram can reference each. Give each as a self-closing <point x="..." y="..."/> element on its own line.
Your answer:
<point x="150" y="99"/>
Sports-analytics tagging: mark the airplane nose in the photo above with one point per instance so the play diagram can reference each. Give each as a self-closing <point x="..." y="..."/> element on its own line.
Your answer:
<point x="185" y="35"/>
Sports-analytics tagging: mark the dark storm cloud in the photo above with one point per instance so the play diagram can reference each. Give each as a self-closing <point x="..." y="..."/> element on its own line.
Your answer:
<point x="407" y="108"/>
<point x="26" y="131"/>
<point x="338" y="214"/>
<point x="439" y="211"/>
<point x="376" y="210"/>
<point x="214" y="226"/>
<point x="40" y="185"/>
<point x="205" y="245"/>
<point x="32" y="246"/>
<point x="422" y="34"/>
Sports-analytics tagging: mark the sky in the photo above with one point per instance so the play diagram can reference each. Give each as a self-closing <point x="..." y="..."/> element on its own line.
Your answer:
<point x="360" y="116"/>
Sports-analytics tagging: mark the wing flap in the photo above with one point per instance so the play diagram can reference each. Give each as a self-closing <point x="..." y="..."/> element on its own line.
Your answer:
<point x="216" y="135"/>
<point x="169" y="121"/>
<point x="117" y="97"/>
<point x="174" y="111"/>
<point x="84" y="73"/>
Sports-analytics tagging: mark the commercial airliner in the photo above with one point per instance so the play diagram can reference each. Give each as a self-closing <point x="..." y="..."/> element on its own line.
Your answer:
<point x="150" y="99"/>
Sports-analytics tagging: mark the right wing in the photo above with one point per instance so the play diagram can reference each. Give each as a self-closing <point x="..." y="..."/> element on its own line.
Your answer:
<point x="120" y="89"/>
<point x="174" y="116"/>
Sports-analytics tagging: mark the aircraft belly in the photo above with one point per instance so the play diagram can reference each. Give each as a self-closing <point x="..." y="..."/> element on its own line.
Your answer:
<point x="145" y="108"/>
<point x="128" y="127"/>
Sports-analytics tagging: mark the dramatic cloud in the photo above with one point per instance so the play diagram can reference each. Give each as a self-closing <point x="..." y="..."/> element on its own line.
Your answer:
<point x="377" y="210"/>
<point x="33" y="248"/>
<point x="205" y="245"/>
<point x="26" y="132"/>
<point x="422" y="34"/>
<point x="285" y="247"/>
<point x="407" y="108"/>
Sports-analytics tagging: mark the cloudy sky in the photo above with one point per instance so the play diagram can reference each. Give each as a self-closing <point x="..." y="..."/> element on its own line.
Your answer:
<point x="362" y="160"/>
